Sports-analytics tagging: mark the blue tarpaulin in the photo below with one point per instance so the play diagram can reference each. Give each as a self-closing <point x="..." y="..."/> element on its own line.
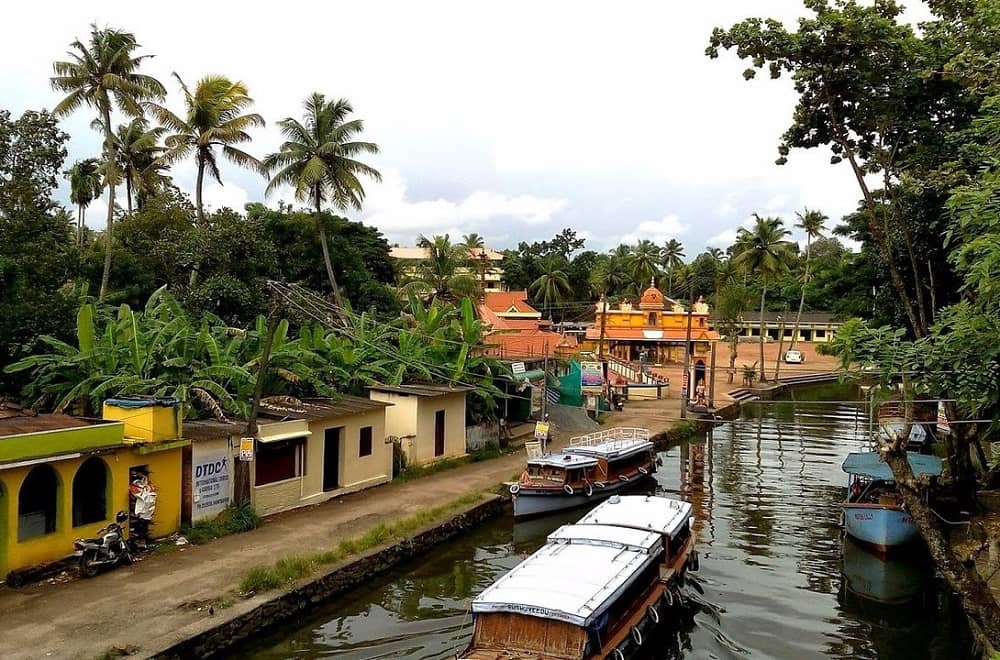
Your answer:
<point x="143" y="402"/>
<point x="871" y="465"/>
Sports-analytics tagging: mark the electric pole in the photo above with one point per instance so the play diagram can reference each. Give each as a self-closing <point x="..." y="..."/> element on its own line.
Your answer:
<point x="686" y="378"/>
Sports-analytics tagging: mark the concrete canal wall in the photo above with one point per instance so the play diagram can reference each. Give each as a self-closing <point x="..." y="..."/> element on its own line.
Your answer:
<point x="259" y="614"/>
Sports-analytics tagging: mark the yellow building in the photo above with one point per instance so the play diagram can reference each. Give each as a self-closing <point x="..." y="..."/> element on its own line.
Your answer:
<point x="306" y="451"/>
<point x="63" y="478"/>
<point x="655" y="330"/>
<point x="428" y="421"/>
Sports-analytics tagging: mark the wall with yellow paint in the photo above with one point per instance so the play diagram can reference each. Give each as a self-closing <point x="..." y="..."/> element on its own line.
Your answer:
<point x="639" y="319"/>
<point x="165" y="474"/>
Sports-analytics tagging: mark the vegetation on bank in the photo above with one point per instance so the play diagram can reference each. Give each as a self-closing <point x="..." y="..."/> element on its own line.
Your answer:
<point x="295" y="567"/>
<point x="234" y="520"/>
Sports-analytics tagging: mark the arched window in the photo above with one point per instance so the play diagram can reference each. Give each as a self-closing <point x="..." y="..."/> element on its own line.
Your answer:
<point x="37" y="503"/>
<point x="652" y="319"/>
<point x="90" y="492"/>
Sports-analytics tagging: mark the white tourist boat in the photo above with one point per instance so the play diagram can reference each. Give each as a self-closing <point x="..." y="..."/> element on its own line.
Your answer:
<point x="596" y="589"/>
<point x="593" y="467"/>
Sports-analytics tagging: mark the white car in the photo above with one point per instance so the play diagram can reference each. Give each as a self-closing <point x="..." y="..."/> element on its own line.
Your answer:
<point x="794" y="357"/>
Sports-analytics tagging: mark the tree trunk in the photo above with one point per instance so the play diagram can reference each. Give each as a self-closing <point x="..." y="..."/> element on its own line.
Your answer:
<point x="197" y="191"/>
<point x="732" y="358"/>
<point x="781" y="342"/>
<point x="670" y="282"/>
<point x="977" y="600"/>
<point x="128" y="191"/>
<point x="327" y="262"/>
<point x="881" y="240"/>
<point x="802" y="297"/>
<point x="79" y="225"/>
<point x="933" y="290"/>
<point x="241" y="491"/>
<point x="763" y="294"/>
<point x="109" y="225"/>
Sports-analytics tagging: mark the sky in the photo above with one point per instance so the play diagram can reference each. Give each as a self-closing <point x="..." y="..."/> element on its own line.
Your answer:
<point x="510" y="119"/>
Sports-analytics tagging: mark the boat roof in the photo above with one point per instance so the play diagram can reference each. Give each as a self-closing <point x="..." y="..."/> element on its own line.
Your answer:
<point x="571" y="582"/>
<point x="563" y="460"/>
<point x="612" y="448"/>
<point x="870" y="465"/>
<point x="662" y="515"/>
<point x="895" y="427"/>
<point x="616" y="537"/>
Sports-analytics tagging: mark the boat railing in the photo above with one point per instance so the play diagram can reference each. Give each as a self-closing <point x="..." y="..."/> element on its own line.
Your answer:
<point x="609" y="435"/>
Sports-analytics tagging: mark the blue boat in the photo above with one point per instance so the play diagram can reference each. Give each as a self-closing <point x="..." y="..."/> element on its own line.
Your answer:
<point x="873" y="511"/>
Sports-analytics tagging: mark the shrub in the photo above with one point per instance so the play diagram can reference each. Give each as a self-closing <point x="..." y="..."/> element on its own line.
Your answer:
<point x="233" y="520"/>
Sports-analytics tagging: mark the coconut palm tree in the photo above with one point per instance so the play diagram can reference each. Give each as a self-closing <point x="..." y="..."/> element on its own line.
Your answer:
<point x="84" y="187"/>
<point x="673" y="256"/>
<point x="443" y="274"/>
<point x="765" y="252"/>
<point x="473" y="241"/>
<point x="551" y="285"/>
<point x="104" y="74"/>
<point x="213" y="117"/>
<point x="811" y="222"/>
<point x="644" y="262"/>
<point x="319" y="160"/>
<point x="138" y="154"/>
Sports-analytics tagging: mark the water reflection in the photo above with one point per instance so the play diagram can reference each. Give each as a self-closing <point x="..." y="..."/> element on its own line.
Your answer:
<point x="773" y="584"/>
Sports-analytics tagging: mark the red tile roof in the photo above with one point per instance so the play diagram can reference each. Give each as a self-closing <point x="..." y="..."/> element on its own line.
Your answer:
<point x="528" y="343"/>
<point x="503" y="301"/>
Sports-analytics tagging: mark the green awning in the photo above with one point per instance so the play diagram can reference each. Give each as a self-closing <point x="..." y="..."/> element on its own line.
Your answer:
<point x="531" y="376"/>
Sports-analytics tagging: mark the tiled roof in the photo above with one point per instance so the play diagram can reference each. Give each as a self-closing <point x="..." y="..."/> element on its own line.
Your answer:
<point x="422" y="390"/>
<point x="416" y="253"/>
<point x="529" y="343"/>
<point x="17" y="424"/>
<point x="320" y="408"/>
<point x="506" y="301"/>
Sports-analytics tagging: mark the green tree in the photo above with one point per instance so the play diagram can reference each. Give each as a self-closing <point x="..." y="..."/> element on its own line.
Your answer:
<point x="84" y="187"/>
<point x="764" y="252"/>
<point x="444" y="274"/>
<point x="213" y="118"/>
<point x="733" y="299"/>
<point x="811" y="222"/>
<point x="552" y="285"/>
<point x="102" y="75"/>
<point x="473" y="241"/>
<point x="644" y="263"/>
<point x="319" y="160"/>
<point x="673" y="256"/>
<point x="138" y="159"/>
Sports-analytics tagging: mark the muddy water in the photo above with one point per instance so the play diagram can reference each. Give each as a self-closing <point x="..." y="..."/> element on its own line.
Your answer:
<point x="776" y="579"/>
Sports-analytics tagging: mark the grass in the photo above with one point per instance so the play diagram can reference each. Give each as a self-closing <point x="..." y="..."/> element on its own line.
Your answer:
<point x="234" y="520"/>
<point x="295" y="567"/>
<point x="411" y="472"/>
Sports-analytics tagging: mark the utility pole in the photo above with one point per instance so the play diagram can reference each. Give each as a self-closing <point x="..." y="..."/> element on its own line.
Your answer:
<point x="603" y="304"/>
<point x="242" y="468"/>
<point x="686" y="378"/>
<point x="711" y="382"/>
<point x="545" y="380"/>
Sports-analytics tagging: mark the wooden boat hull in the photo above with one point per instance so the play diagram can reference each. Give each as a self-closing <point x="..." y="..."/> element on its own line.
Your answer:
<point x="531" y="502"/>
<point x="881" y="527"/>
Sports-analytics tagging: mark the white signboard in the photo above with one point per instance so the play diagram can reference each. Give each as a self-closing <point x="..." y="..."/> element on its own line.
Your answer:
<point x="517" y="367"/>
<point x="210" y="484"/>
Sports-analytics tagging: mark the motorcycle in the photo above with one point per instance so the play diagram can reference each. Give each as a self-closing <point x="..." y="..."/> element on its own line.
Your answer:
<point x="109" y="548"/>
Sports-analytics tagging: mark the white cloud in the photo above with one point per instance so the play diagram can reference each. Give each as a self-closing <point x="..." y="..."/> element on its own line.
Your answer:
<point x="387" y="207"/>
<point x="658" y="231"/>
<point x="723" y="239"/>
<point x="726" y="209"/>
<point x="777" y="202"/>
<point x="216" y="196"/>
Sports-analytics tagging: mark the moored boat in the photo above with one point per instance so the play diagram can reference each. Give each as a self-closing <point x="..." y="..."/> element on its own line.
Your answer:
<point x="591" y="468"/>
<point x="873" y="512"/>
<point x="596" y="589"/>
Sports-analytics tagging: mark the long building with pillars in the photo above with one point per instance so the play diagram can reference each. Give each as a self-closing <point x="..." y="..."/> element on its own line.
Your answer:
<point x="653" y="332"/>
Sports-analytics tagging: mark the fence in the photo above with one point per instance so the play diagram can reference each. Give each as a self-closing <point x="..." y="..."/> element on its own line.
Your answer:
<point x="481" y="436"/>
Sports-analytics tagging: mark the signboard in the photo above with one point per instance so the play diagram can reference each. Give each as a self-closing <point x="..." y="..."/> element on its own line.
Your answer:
<point x="517" y="367"/>
<point x="592" y="400"/>
<point x="942" y="419"/>
<point x="541" y="430"/>
<point x="209" y="484"/>
<point x="684" y="385"/>
<point x="246" y="449"/>
<point x="591" y="378"/>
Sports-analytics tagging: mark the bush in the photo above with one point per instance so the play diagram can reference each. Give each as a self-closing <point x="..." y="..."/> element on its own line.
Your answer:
<point x="234" y="520"/>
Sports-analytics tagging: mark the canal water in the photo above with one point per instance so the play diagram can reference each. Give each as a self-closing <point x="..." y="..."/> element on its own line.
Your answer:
<point x="776" y="579"/>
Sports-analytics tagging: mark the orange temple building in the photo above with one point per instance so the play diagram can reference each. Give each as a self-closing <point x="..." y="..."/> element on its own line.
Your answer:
<point x="656" y="328"/>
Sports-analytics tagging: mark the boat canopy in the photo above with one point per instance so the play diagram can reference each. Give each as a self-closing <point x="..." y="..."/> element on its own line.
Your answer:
<point x="569" y="581"/>
<point x="870" y="465"/>
<point x="612" y="449"/>
<point x="563" y="460"/>
<point x="889" y="429"/>
<point x="662" y="515"/>
<point x="615" y="537"/>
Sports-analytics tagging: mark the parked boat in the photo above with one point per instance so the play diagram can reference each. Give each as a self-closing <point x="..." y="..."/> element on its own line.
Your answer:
<point x="591" y="468"/>
<point x="882" y="580"/>
<point x="596" y="589"/>
<point x="873" y="511"/>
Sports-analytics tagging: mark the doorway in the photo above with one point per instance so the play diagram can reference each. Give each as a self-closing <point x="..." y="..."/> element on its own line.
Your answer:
<point x="331" y="458"/>
<point x="439" y="433"/>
